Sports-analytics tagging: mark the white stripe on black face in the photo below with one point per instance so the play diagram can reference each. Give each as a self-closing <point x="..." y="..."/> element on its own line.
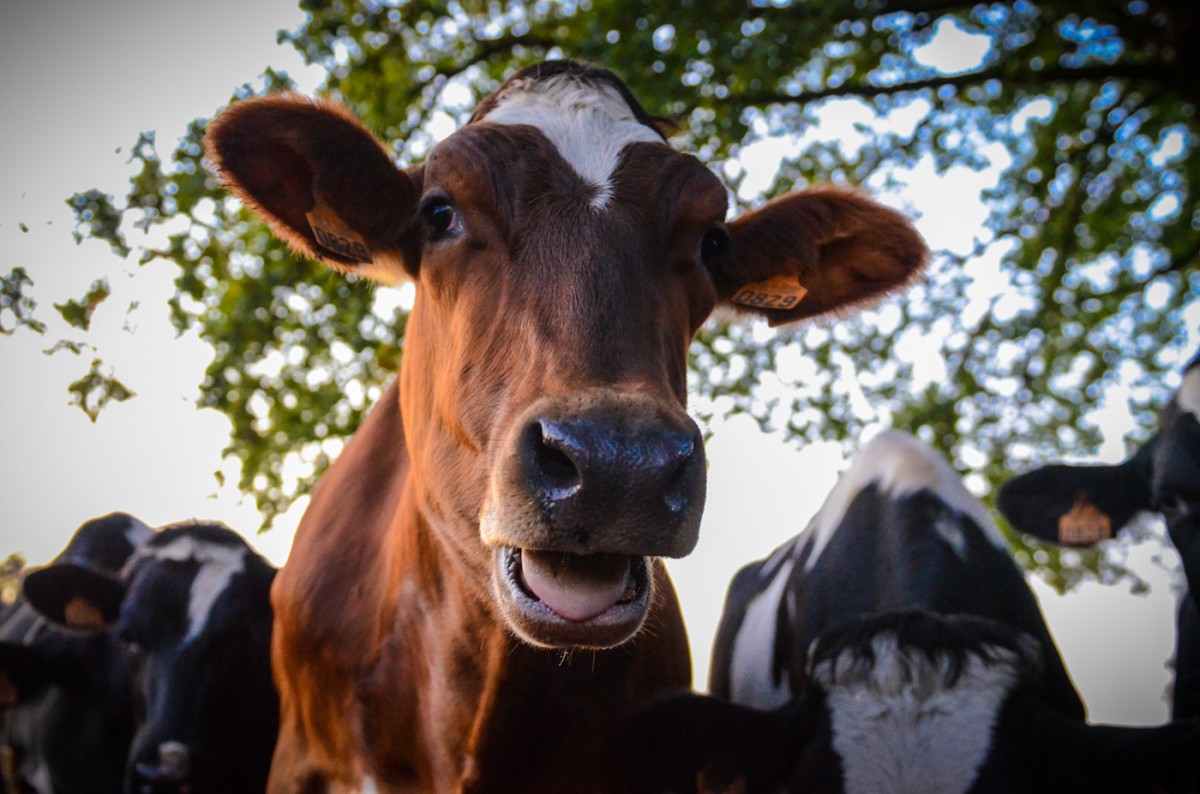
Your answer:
<point x="899" y="465"/>
<point x="900" y="726"/>
<point x="218" y="564"/>
<point x="590" y="124"/>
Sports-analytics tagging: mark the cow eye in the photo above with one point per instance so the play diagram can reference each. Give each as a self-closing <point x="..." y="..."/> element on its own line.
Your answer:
<point x="442" y="217"/>
<point x="713" y="245"/>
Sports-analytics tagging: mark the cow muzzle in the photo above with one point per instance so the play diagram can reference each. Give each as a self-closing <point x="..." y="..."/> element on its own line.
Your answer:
<point x="586" y="492"/>
<point x="168" y="772"/>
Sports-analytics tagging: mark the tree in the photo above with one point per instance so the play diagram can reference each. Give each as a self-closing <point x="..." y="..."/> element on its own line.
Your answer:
<point x="1089" y="254"/>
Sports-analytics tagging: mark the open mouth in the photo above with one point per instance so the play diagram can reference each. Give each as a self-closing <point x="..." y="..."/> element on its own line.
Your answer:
<point x="560" y="599"/>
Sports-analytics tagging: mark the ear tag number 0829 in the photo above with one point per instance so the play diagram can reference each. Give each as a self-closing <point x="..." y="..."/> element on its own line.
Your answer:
<point x="780" y="292"/>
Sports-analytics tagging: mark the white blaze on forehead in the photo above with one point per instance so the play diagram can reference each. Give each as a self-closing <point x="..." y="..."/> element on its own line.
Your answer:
<point x="899" y="725"/>
<point x="1188" y="396"/>
<point x="898" y="465"/>
<point x="589" y="123"/>
<point x="218" y="564"/>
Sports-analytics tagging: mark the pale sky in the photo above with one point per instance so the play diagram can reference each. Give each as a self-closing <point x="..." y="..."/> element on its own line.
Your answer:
<point x="86" y="77"/>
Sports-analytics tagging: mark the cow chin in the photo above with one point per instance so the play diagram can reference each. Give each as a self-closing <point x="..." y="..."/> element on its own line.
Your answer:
<point x="564" y="600"/>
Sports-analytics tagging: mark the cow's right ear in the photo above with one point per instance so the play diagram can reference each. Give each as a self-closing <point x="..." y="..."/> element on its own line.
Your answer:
<point x="1075" y="505"/>
<point x="321" y="180"/>
<point x="75" y="596"/>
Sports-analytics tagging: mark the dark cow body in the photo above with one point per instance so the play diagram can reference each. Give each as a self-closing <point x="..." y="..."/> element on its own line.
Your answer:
<point x="191" y="612"/>
<point x="68" y="721"/>
<point x="898" y="532"/>
<point x="907" y="703"/>
<point x="474" y="599"/>
<point x="1083" y="505"/>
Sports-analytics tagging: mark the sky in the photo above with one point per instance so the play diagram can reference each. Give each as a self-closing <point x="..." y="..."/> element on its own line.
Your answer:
<point x="87" y="77"/>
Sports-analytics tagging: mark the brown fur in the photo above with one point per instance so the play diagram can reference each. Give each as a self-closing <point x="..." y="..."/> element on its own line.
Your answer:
<point x="395" y="656"/>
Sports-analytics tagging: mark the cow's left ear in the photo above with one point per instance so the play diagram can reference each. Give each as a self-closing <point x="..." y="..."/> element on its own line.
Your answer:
<point x="75" y="596"/>
<point x="1076" y="505"/>
<point x="816" y="251"/>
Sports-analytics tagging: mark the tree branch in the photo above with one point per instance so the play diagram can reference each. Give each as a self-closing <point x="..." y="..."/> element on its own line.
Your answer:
<point x="1045" y="77"/>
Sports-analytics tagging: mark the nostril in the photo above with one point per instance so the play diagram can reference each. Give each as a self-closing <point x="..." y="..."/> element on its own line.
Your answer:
<point x="680" y="482"/>
<point x="165" y="774"/>
<point x="558" y="476"/>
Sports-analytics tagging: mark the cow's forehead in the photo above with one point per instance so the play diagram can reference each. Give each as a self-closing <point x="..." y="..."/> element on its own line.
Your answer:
<point x="215" y="564"/>
<point x="589" y="122"/>
<point x="899" y="465"/>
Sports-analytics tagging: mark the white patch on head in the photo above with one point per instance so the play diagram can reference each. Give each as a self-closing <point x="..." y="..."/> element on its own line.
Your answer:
<point x="899" y="465"/>
<point x="900" y="726"/>
<point x="589" y="123"/>
<point x="137" y="533"/>
<point x="218" y="563"/>
<point x="750" y="678"/>
<point x="1188" y="396"/>
<point x="368" y="786"/>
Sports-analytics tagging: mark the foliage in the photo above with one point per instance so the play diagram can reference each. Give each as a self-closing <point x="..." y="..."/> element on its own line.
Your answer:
<point x="1080" y="278"/>
<point x="78" y="314"/>
<point x="10" y="578"/>
<point x="17" y="304"/>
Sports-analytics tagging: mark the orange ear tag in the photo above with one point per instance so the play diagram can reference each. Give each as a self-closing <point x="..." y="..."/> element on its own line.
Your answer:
<point x="82" y="614"/>
<point x="779" y="292"/>
<point x="1084" y="525"/>
<point x="333" y="234"/>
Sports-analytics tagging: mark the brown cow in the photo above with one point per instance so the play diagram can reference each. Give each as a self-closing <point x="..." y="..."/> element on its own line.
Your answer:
<point x="474" y="599"/>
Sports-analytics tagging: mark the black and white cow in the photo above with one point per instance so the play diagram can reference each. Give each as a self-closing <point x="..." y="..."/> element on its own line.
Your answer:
<point x="894" y="647"/>
<point x="908" y="702"/>
<point x="899" y="531"/>
<point x="191" y="609"/>
<point x="65" y="709"/>
<point x="1083" y="505"/>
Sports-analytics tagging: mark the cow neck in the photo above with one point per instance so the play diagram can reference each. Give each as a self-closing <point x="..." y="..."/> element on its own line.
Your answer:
<point x="465" y="700"/>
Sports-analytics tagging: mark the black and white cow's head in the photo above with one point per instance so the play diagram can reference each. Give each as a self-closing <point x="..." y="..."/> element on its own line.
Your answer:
<point x="192" y="613"/>
<point x="65" y="716"/>
<point x="899" y="531"/>
<point x="1081" y="505"/>
<point x="906" y="702"/>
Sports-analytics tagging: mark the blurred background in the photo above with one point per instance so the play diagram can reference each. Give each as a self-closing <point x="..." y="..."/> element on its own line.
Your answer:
<point x="162" y="354"/>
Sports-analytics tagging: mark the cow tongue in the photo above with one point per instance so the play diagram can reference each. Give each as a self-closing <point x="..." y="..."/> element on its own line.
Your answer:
<point x="577" y="587"/>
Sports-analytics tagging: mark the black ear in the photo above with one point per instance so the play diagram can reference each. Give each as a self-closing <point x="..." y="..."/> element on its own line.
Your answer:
<point x="75" y="596"/>
<point x="1075" y="505"/>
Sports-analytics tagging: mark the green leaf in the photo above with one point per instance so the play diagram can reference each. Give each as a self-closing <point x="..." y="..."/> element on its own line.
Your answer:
<point x="16" y="307"/>
<point x="97" y="389"/>
<point x="79" y="313"/>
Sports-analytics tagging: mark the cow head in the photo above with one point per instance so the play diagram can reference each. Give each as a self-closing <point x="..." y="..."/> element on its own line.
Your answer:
<point x="192" y="615"/>
<point x="564" y="256"/>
